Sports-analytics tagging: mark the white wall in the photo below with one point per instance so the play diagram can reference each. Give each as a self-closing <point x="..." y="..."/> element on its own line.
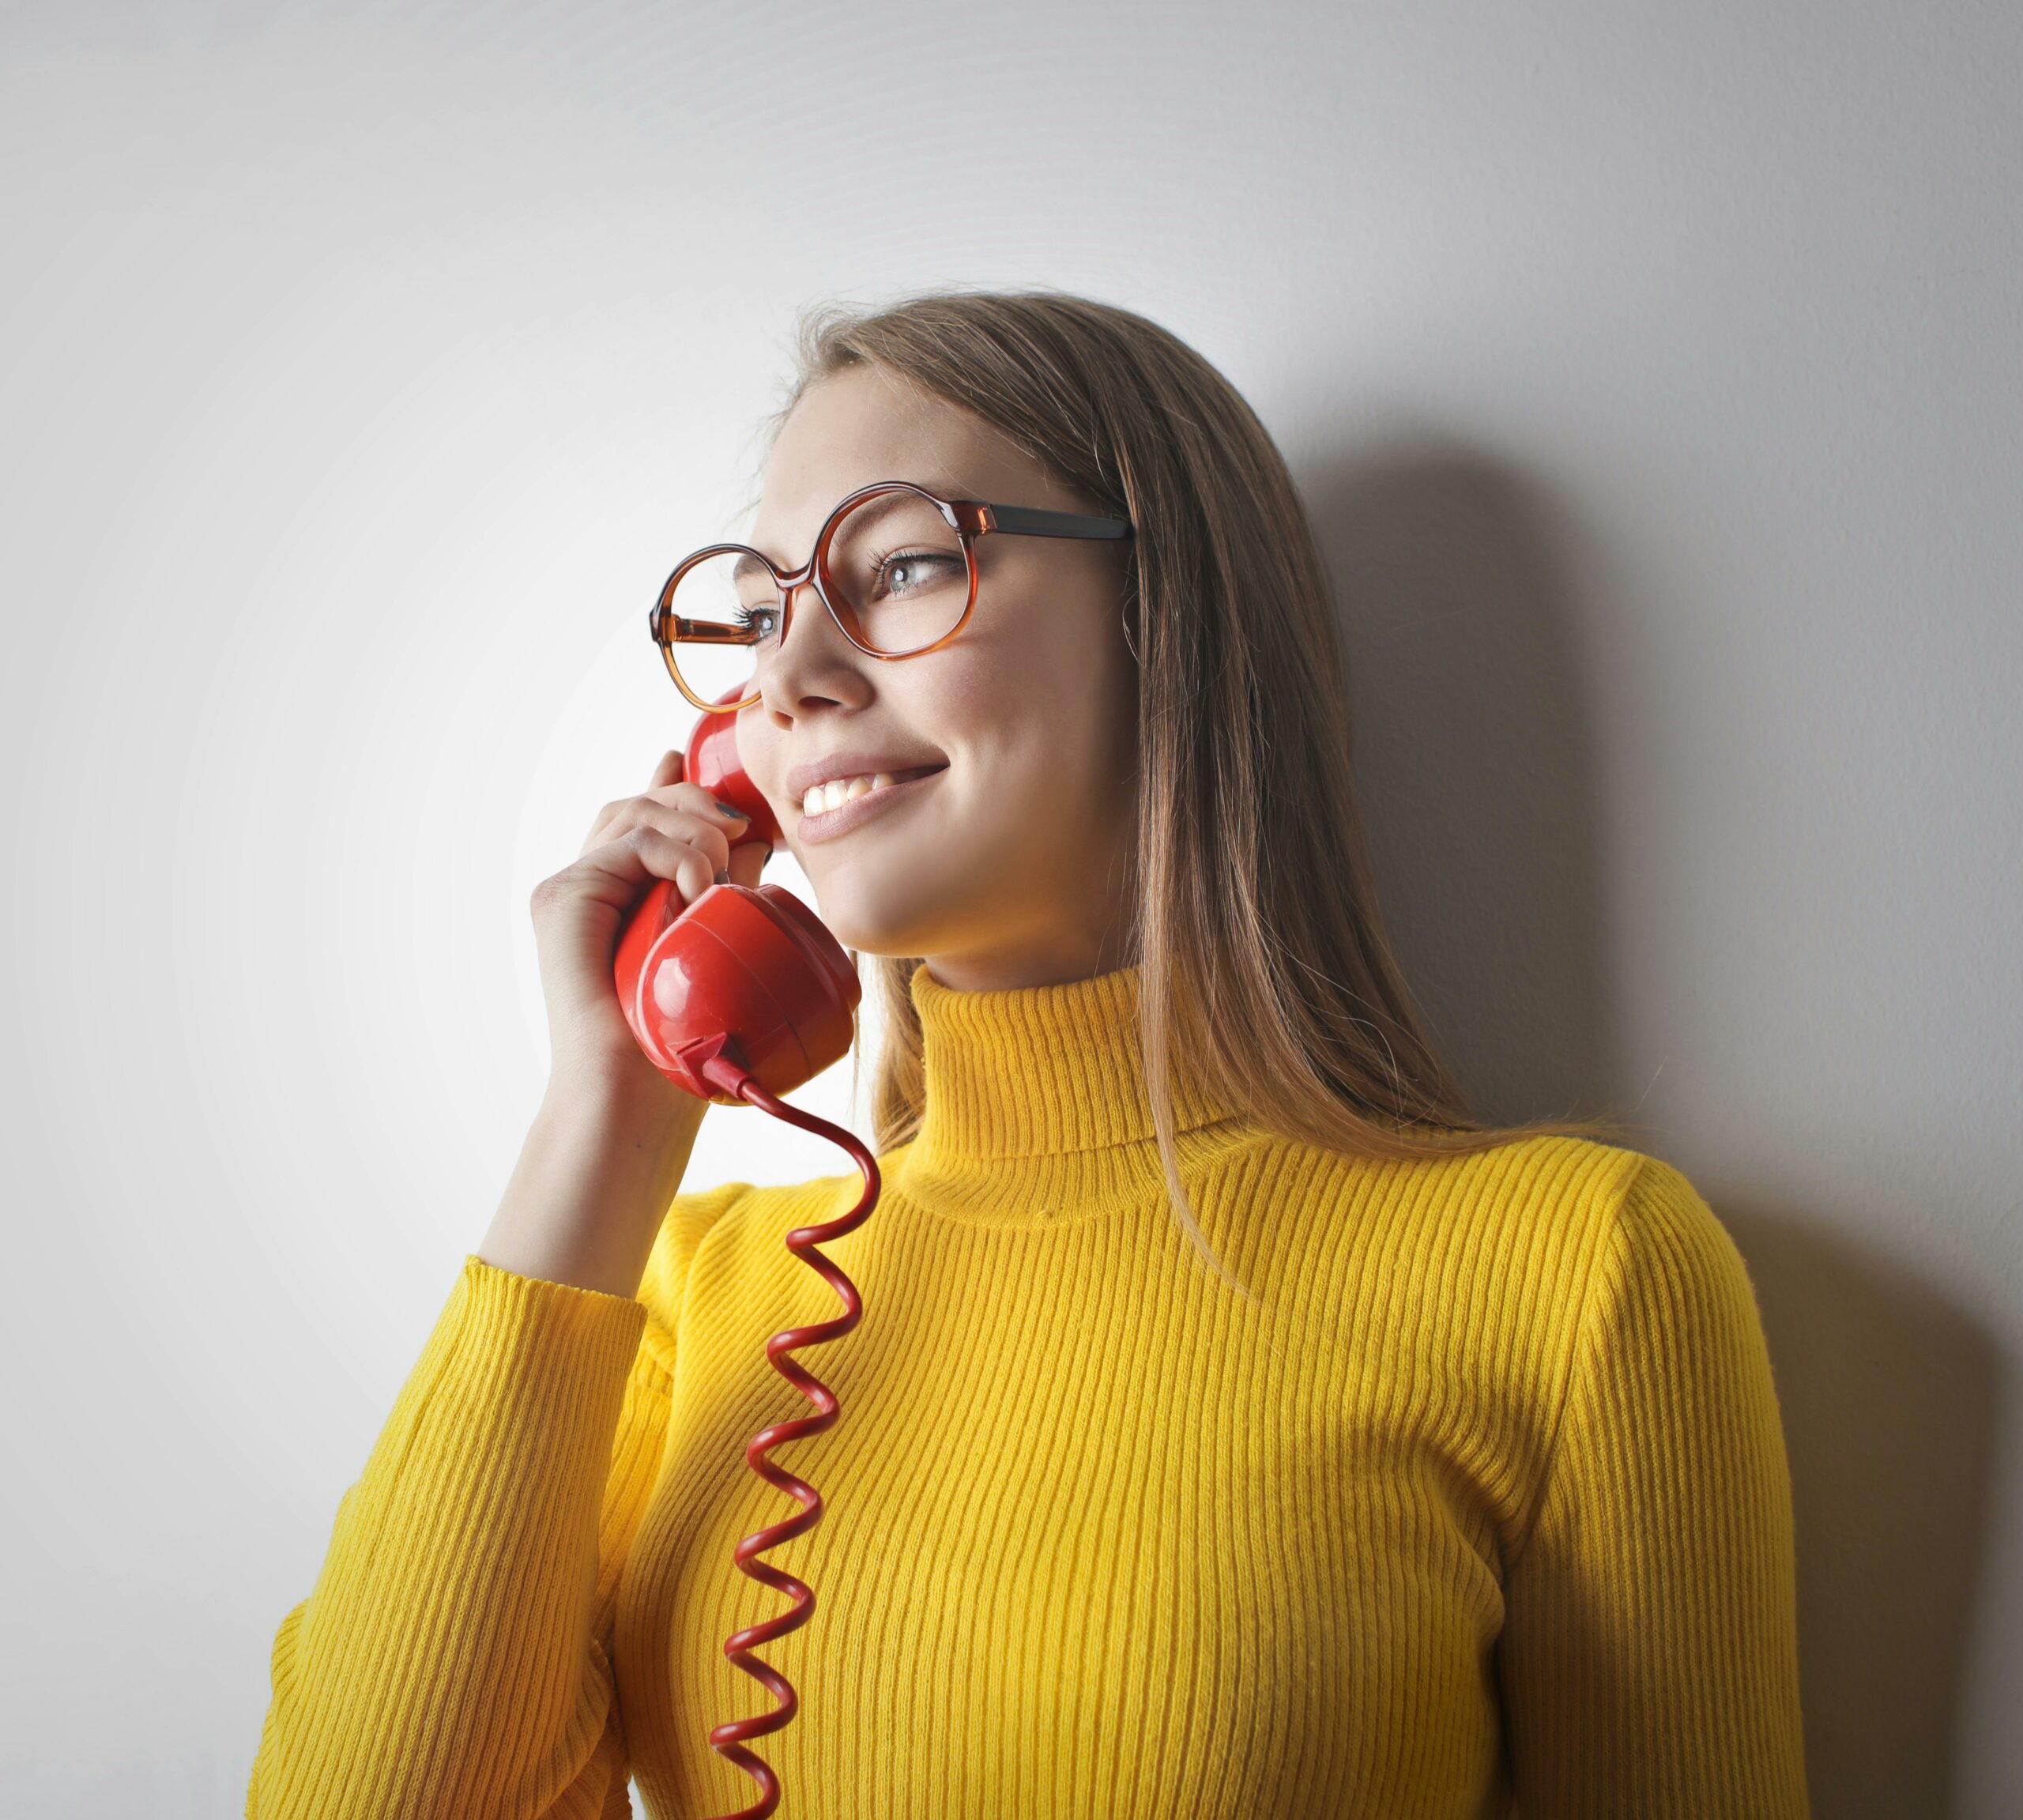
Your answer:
<point x="1653" y="372"/>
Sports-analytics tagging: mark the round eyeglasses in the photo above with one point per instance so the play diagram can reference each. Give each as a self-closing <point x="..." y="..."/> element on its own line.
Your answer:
<point x="895" y="564"/>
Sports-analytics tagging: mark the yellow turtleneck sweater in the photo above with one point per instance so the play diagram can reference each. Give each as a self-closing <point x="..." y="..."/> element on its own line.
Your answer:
<point x="1482" y="1504"/>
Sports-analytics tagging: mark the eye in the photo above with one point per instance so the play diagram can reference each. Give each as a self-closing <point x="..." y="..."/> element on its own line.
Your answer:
<point x="907" y="571"/>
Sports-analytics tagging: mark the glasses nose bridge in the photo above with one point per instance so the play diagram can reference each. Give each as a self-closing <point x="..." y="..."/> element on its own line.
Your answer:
<point x="808" y="575"/>
<point x="791" y="582"/>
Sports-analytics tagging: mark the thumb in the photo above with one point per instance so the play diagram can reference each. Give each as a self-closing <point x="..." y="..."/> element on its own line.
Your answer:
<point x="748" y="861"/>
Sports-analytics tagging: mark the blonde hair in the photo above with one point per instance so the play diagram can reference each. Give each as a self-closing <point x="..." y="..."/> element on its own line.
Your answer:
<point x="1288" y="1001"/>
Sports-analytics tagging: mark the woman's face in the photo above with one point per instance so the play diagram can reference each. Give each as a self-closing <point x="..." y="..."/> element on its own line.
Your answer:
<point x="1012" y="865"/>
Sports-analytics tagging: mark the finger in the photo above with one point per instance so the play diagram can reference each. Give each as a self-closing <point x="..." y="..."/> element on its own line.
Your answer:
<point x="691" y="797"/>
<point x="699" y="802"/>
<point x="708" y="832"/>
<point x="683" y="799"/>
<point x="613" y="873"/>
<point x="701" y="832"/>
<point x="748" y="861"/>
<point x="666" y="856"/>
<point x="608" y="823"/>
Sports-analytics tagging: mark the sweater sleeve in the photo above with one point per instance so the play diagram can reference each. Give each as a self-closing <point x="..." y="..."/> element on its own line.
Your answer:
<point x="453" y="1655"/>
<point x="1649" y="1660"/>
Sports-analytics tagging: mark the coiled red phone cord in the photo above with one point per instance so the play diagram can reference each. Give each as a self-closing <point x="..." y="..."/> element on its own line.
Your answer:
<point x="723" y="1071"/>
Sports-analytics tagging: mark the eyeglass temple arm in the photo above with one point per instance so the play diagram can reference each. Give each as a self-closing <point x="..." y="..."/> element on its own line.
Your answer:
<point x="696" y="631"/>
<point x="1030" y="521"/>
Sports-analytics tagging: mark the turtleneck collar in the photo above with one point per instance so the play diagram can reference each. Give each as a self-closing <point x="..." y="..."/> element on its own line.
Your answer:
<point x="1041" y="1071"/>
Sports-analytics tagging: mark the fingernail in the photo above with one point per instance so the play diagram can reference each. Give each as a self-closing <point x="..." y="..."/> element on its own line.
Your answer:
<point x="723" y="878"/>
<point x="735" y="815"/>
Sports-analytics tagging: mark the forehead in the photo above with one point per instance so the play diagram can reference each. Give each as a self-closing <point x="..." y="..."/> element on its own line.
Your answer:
<point x="867" y="424"/>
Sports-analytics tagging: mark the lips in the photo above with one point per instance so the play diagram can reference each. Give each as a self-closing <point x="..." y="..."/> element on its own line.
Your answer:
<point x="846" y="789"/>
<point x="830" y="823"/>
<point x="856" y="761"/>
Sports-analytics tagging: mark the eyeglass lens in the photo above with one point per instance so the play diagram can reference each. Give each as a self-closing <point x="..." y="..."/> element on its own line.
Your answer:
<point x="897" y="573"/>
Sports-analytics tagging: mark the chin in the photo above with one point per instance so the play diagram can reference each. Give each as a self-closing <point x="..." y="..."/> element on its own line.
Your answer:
<point x="870" y="920"/>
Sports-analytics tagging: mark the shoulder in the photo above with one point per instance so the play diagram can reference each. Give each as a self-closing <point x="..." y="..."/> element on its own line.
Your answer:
<point x="704" y="1229"/>
<point x="1600" y="1202"/>
<point x="1623" y="1255"/>
<point x="1667" y="1270"/>
<point x="1559" y="1193"/>
<point x="1534" y="1233"/>
<point x="1621" y="1221"/>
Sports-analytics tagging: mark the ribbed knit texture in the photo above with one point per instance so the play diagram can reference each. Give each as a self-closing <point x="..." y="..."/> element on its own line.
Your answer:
<point x="1482" y="1505"/>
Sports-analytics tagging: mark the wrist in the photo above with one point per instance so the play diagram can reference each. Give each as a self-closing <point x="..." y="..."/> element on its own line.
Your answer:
<point x="601" y="1164"/>
<point x="617" y="1081"/>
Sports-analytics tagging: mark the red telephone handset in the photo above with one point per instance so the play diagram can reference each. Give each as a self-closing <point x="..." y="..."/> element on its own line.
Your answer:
<point x="741" y="997"/>
<point x="749" y="973"/>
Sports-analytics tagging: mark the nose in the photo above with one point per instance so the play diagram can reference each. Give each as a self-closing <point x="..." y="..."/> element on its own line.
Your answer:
<point x="813" y="660"/>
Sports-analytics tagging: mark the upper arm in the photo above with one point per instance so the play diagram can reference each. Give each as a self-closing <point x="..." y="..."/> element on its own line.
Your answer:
<point x="1649" y="1656"/>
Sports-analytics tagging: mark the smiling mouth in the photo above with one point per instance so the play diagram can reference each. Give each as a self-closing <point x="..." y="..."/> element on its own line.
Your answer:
<point x="820" y="798"/>
<point x="827" y="824"/>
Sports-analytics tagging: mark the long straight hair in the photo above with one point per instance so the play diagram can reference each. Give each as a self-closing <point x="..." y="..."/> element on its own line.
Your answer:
<point x="1287" y="1001"/>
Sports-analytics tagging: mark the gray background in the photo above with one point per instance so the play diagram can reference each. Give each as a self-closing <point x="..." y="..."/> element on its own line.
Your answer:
<point x="1652" y="372"/>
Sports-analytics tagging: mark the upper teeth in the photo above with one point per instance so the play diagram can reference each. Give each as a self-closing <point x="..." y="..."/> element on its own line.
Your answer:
<point x="837" y="791"/>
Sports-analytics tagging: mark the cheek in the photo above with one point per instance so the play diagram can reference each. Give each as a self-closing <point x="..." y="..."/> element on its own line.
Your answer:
<point x="1046" y="665"/>
<point x="766" y="751"/>
<point x="1020" y="726"/>
<point x="754" y="745"/>
<point x="1039" y="736"/>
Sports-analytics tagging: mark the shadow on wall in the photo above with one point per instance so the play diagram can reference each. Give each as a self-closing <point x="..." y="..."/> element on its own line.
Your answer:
<point x="1476" y="769"/>
<point x="1890" y="1402"/>
<point x="1478" y="776"/>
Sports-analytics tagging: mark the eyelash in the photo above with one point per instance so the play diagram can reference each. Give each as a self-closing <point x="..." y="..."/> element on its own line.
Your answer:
<point x="881" y="558"/>
<point x="745" y="615"/>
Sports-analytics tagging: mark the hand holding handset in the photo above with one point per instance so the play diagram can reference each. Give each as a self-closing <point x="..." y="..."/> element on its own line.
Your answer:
<point x="739" y="998"/>
<point x="747" y="974"/>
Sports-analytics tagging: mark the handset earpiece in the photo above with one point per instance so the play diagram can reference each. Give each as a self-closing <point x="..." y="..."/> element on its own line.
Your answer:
<point x="711" y="761"/>
<point x="743" y="980"/>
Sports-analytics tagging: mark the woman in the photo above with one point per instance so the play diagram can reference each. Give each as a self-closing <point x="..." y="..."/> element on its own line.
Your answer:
<point x="1236" y="1425"/>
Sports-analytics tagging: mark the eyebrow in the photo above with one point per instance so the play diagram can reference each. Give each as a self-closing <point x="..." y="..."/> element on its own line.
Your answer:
<point x="745" y="567"/>
<point x="937" y="484"/>
<point x="874" y="509"/>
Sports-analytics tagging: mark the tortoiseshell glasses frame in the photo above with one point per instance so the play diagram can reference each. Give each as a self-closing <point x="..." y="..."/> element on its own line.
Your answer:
<point x="970" y="519"/>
